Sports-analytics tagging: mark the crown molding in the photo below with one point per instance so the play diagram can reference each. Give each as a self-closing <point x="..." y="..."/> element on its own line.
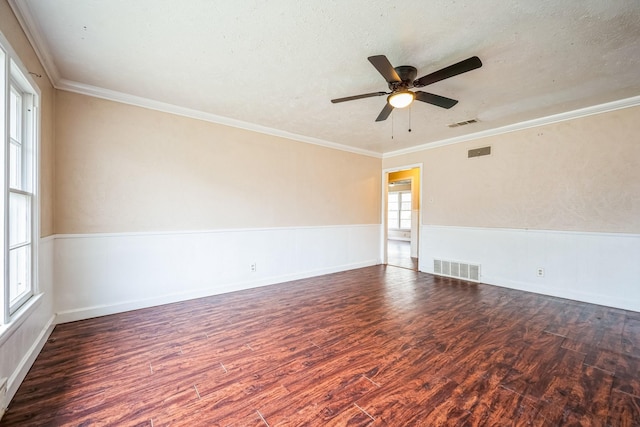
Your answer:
<point x="34" y="34"/>
<point x="25" y="18"/>
<point x="569" y="115"/>
<point x="138" y="101"/>
<point x="110" y="95"/>
<point x="213" y="118"/>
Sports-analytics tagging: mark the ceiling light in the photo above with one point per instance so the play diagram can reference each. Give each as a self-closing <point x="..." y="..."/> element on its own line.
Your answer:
<point x="401" y="99"/>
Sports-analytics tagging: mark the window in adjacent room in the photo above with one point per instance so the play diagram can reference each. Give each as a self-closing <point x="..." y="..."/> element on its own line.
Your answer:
<point x="399" y="210"/>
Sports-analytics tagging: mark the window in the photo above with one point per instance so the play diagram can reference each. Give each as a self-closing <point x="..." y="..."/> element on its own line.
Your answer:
<point x="399" y="210"/>
<point x="18" y="122"/>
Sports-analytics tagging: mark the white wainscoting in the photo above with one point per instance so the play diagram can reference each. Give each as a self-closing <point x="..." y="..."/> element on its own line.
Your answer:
<point x="23" y="339"/>
<point x="599" y="268"/>
<point x="98" y="274"/>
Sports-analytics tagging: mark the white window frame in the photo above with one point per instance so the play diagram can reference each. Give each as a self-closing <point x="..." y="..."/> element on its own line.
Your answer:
<point x="396" y="226"/>
<point x="13" y="75"/>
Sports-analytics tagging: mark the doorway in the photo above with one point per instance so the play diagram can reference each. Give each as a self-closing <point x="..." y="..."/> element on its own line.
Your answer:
<point x="402" y="214"/>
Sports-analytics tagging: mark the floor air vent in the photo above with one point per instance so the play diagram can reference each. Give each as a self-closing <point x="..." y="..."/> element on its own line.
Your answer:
<point x="456" y="269"/>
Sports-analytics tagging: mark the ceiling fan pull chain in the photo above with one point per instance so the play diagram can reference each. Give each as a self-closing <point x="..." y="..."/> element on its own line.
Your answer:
<point x="392" y="122"/>
<point x="410" y="110"/>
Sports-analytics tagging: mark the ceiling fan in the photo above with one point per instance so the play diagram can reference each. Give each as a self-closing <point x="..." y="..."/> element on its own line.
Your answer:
<point x="403" y="78"/>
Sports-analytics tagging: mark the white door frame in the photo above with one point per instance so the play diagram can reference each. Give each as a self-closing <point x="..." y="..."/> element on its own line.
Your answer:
<point x="385" y="192"/>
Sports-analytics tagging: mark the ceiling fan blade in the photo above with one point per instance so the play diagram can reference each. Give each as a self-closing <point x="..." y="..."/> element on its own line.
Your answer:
<point x="438" y="100"/>
<point x="388" y="108"/>
<point x="385" y="68"/>
<point x="450" y="71"/>
<point x="351" y="98"/>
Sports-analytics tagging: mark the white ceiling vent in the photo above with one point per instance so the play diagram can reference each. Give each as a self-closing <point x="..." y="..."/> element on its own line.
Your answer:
<point x="463" y="123"/>
<point x="459" y="270"/>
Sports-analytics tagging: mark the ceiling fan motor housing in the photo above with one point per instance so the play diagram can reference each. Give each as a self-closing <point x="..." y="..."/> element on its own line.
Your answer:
<point x="407" y="75"/>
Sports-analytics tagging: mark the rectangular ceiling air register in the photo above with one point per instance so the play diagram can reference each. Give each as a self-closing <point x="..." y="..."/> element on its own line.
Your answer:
<point x="477" y="152"/>
<point x="463" y="123"/>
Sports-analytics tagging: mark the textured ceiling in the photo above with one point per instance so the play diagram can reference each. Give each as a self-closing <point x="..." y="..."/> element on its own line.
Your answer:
<point x="276" y="64"/>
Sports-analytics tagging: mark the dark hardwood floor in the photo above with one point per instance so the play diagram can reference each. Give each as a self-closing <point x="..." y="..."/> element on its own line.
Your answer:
<point x="399" y="255"/>
<point x="369" y="347"/>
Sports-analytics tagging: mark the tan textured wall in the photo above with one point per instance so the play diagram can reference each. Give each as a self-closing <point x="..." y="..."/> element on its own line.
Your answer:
<point x="122" y="168"/>
<point x="576" y="175"/>
<point x="13" y="33"/>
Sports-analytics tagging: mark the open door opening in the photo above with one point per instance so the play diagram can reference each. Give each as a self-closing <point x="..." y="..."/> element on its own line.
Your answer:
<point x="403" y="218"/>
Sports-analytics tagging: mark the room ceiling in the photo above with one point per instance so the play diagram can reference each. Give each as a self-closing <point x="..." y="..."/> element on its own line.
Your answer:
<point x="275" y="65"/>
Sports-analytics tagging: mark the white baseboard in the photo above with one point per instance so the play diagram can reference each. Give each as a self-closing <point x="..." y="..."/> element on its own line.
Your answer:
<point x="598" y="268"/>
<point x="27" y="361"/>
<point x="22" y="339"/>
<point x="97" y="275"/>
<point x="104" y="310"/>
<point x="567" y="293"/>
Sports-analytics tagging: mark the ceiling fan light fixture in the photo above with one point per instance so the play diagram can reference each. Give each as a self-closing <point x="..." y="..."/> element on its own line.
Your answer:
<point x="401" y="99"/>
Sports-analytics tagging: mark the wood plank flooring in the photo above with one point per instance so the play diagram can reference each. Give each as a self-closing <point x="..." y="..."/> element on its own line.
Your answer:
<point x="399" y="255"/>
<point x="379" y="346"/>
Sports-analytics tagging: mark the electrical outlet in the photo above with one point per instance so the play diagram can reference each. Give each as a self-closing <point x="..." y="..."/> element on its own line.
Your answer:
<point x="253" y="267"/>
<point x="540" y="272"/>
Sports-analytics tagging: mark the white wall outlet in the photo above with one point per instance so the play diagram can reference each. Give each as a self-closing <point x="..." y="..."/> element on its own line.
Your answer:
<point x="540" y="272"/>
<point x="253" y="267"/>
